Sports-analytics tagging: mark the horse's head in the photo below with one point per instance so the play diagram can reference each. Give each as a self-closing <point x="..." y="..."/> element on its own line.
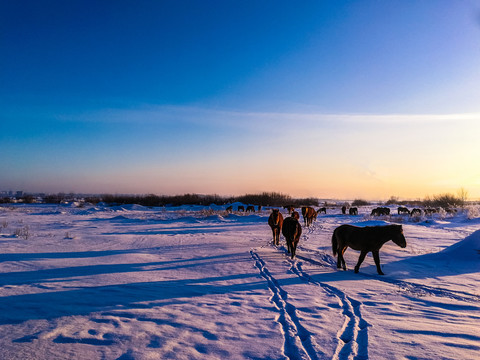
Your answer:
<point x="295" y="215"/>
<point x="275" y="213"/>
<point x="398" y="237"/>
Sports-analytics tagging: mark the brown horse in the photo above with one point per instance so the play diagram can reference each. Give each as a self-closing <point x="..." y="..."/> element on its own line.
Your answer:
<point x="250" y="208"/>
<point x="353" y="211"/>
<point x="241" y="208"/>
<point x="309" y="214"/>
<point x="292" y="231"/>
<point x="322" y="210"/>
<point x="275" y="220"/>
<point x="365" y="239"/>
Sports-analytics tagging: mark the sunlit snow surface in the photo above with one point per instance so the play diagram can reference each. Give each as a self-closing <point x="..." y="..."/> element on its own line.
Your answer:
<point x="98" y="282"/>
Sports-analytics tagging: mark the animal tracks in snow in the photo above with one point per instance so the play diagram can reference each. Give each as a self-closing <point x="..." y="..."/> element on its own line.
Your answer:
<point x="299" y="342"/>
<point x="353" y="336"/>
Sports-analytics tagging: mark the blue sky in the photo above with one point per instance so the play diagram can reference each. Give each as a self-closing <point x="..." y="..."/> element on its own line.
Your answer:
<point x="340" y="99"/>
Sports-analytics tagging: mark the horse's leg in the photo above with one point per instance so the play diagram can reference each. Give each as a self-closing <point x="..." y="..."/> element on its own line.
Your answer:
<point x="344" y="265"/>
<point x="376" y="257"/>
<point x="339" y="256"/>
<point x="277" y="236"/>
<point x="294" y="248"/>
<point x="360" y="260"/>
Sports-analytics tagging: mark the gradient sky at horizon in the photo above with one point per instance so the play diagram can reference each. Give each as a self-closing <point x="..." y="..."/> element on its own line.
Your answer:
<point x="333" y="99"/>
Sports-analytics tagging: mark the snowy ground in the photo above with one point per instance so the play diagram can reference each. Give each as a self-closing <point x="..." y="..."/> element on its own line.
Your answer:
<point x="194" y="283"/>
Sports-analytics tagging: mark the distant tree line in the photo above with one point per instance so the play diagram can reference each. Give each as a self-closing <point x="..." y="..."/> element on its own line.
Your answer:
<point x="264" y="199"/>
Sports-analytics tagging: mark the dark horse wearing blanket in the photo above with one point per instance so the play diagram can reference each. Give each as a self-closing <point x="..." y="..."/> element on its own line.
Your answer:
<point x="275" y="221"/>
<point x="365" y="239"/>
<point x="292" y="231"/>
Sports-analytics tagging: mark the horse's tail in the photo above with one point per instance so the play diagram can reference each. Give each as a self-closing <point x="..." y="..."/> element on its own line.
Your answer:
<point x="334" y="243"/>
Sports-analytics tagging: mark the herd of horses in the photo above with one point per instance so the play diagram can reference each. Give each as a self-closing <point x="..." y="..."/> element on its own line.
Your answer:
<point x="379" y="211"/>
<point x="364" y="239"/>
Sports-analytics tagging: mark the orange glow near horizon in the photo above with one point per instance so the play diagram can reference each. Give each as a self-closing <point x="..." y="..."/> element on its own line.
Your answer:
<point x="325" y="156"/>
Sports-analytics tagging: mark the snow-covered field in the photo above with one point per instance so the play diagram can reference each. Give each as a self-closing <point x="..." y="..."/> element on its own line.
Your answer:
<point x="195" y="283"/>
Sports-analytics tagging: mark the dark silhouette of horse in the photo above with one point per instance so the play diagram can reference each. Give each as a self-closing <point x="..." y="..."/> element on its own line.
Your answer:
<point x="229" y="209"/>
<point x="250" y="208"/>
<point x="309" y="214"/>
<point x="353" y="211"/>
<point x="292" y="230"/>
<point x="365" y="239"/>
<point x="430" y="211"/>
<point x="322" y="210"/>
<point x="403" y="210"/>
<point x="344" y="209"/>
<point x="259" y="208"/>
<point x="290" y="208"/>
<point x="241" y="208"/>
<point x="416" y="212"/>
<point x="275" y="220"/>
<point x="380" y="211"/>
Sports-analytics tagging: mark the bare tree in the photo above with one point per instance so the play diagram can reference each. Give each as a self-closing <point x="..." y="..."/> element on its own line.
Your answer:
<point x="463" y="195"/>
